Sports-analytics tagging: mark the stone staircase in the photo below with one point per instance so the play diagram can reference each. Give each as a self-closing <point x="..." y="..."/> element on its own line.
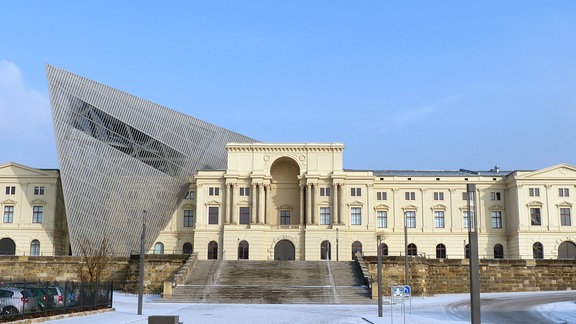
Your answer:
<point x="273" y="282"/>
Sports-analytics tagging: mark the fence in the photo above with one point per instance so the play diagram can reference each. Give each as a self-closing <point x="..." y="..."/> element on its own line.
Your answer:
<point x="19" y="300"/>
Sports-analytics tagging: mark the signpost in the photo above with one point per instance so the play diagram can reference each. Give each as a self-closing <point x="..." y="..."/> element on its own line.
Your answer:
<point x="399" y="294"/>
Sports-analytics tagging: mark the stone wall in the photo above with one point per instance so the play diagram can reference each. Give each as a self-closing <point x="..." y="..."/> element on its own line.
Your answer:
<point x="445" y="276"/>
<point x="122" y="271"/>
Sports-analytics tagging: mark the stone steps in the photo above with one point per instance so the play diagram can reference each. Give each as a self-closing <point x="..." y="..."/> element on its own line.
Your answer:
<point x="273" y="282"/>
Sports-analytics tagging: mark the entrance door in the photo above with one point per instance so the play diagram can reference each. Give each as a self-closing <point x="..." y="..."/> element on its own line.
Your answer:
<point x="325" y="250"/>
<point x="284" y="250"/>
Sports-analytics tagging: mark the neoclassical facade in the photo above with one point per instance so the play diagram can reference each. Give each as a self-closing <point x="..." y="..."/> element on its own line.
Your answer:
<point x="295" y="201"/>
<point x="33" y="217"/>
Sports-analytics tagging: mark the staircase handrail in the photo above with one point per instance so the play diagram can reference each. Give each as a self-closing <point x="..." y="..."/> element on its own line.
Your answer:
<point x="183" y="272"/>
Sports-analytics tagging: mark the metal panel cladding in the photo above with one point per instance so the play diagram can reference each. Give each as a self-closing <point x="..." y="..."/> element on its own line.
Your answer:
<point x="120" y="155"/>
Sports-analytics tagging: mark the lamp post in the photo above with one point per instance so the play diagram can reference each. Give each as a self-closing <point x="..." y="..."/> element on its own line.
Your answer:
<point x="405" y="250"/>
<point x="337" y="244"/>
<point x="474" y="266"/>
<point x="141" y="266"/>
<point x="379" y="242"/>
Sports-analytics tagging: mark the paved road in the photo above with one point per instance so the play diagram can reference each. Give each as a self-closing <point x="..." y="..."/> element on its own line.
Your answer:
<point x="512" y="309"/>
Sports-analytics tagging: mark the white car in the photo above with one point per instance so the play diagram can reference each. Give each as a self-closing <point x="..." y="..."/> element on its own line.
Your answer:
<point x="15" y="301"/>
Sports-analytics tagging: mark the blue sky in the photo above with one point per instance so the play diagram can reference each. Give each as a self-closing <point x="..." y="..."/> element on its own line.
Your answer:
<point x="425" y="85"/>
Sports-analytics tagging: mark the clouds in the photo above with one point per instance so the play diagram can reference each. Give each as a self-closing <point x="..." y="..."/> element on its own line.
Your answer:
<point x="25" y="121"/>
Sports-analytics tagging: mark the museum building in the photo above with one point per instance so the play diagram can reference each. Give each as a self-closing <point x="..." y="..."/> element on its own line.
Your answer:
<point x="126" y="162"/>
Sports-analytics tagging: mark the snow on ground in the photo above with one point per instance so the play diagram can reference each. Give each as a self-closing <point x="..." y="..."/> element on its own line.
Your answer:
<point x="428" y="310"/>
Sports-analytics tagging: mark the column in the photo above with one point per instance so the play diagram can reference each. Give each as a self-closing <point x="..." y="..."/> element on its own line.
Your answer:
<point x="260" y="203"/>
<point x="228" y="205"/>
<point x="267" y="208"/>
<point x="253" y="204"/>
<point x="308" y="204"/>
<point x="301" y="205"/>
<point x="314" y="197"/>
<point x="233" y="214"/>
<point x="342" y="210"/>
<point x="335" y="204"/>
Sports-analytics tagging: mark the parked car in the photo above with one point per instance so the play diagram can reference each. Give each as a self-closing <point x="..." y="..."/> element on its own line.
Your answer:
<point x="56" y="292"/>
<point x="44" y="298"/>
<point x="15" y="301"/>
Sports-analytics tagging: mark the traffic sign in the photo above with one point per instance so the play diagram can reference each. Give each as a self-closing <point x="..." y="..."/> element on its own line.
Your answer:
<point x="407" y="291"/>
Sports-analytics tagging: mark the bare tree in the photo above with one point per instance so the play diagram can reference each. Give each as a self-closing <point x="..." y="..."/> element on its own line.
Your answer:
<point x="95" y="260"/>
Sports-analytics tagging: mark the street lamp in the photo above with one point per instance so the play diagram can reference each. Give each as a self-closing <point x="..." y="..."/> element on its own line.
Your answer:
<point x="141" y="267"/>
<point x="405" y="250"/>
<point x="379" y="248"/>
<point x="473" y="243"/>
<point x="337" y="244"/>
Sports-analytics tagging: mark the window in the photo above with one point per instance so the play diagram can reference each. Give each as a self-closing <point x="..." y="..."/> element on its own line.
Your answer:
<point x="410" y="195"/>
<point x="212" y="215"/>
<point x="410" y="219"/>
<point x="159" y="248"/>
<point x="325" y="192"/>
<point x="10" y="190"/>
<point x="188" y="218"/>
<point x="565" y="217"/>
<point x="465" y="218"/>
<point x="191" y="195"/>
<point x="8" y="214"/>
<point x="412" y="249"/>
<point x="439" y="219"/>
<point x="37" y="212"/>
<point x="498" y="251"/>
<point x="356" y="215"/>
<point x="538" y="250"/>
<point x="324" y="215"/>
<point x="440" y="251"/>
<point x="563" y="192"/>
<point x="467" y="251"/>
<point x="465" y="196"/>
<point x="382" y="219"/>
<point x="356" y="191"/>
<point x="187" y="248"/>
<point x="438" y="196"/>
<point x="244" y="215"/>
<point x="496" y="219"/>
<point x="535" y="217"/>
<point x="244" y="191"/>
<point x="284" y="217"/>
<point x="38" y="190"/>
<point x="534" y="192"/>
<point x="381" y="195"/>
<point x="495" y="195"/>
<point x="35" y="248"/>
<point x="214" y="191"/>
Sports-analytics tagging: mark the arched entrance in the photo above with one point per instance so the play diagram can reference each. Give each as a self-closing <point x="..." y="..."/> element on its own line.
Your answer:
<point x="356" y="248"/>
<point x="7" y="247"/>
<point x="212" y="250"/>
<point x="284" y="250"/>
<point x="567" y="250"/>
<point x="243" y="250"/>
<point x="187" y="248"/>
<point x="325" y="253"/>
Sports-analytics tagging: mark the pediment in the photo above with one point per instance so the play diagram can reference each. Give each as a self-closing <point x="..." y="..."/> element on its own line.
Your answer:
<point x="356" y="203"/>
<point x="410" y="207"/>
<point x="38" y="202"/>
<point x="560" y="171"/>
<point x="564" y="204"/>
<point x="381" y="206"/>
<point x="19" y="170"/>
<point x="8" y="202"/>
<point x="188" y="206"/>
<point x="534" y="204"/>
<point x="496" y="207"/>
<point x="439" y="206"/>
<point x="213" y="202"/>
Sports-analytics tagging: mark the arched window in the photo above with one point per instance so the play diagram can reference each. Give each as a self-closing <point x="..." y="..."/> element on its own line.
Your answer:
<point x="187" y="248"/>
<point x="212" y="250"/>
<point x="356" y="248"/>
<point x="412" y="249"/>
<point x="35" y="248"/>
<point x="467" y="251"/>
<point x="7" y="246"/>
<point x="383" y="249"/>
<point x="537" y="250"/>
<point x="159" y="248"/>
<point x="440" y="251"/>
<point x="243" y="250"/>
<point x="498" y="251"/>
<point x="567" y="250"/>
<point x="325" y="253"/>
